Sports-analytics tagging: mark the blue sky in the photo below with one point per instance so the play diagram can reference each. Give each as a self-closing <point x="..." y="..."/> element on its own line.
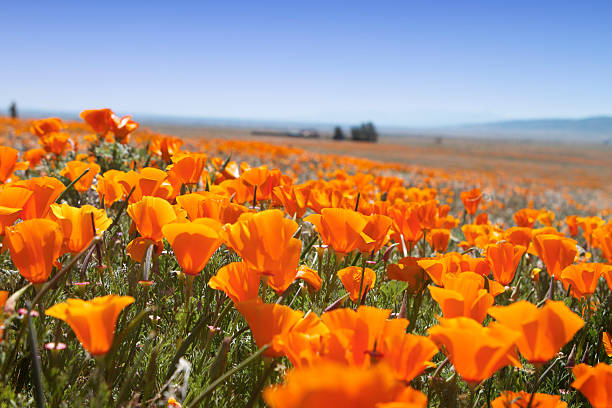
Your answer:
<point x="404" y="63"/>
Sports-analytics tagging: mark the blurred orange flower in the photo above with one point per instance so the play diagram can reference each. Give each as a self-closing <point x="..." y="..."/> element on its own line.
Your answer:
<point x="318" y="386"/>
<point x="595" y="383"/>
<point x="471" y="199"/>
<point x="9" y="163"/>
<point x="510" y="399"/>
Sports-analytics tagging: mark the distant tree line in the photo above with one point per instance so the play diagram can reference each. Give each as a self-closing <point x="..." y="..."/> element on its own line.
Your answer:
<point x="366" y="132"/>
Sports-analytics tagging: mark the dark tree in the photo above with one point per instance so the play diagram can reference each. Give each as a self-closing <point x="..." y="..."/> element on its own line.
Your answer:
<point x="338" y="133"/>
<point x="13" y="110"/>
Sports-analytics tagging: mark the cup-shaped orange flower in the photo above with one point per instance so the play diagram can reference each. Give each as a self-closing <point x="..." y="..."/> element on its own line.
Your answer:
<point x="376" y="232"/>
<point x="75" y="168"/>
<point x="341" y="229"/>
<point x="78" y="224"/>
<point x="471" y="199"/>
<point x="504" y="258"/>
<point x="109" y="189"/>
<point x="407" y="354"/>
<point x="519" y="236"/>
<point x="34" y="156"/>
<point x="526" y="217"/>
<point x="237" y="281"/>
<point x="42" y="127"/>
<point x="310" y="276"/>
<point x="150" y="214"/>
<point x="351" y="280"/>
<point x="603" y="240"/>
<point x="438" y="239"/>
<point x="12" y="202"/>
<point x="267" y="320"/>
<point x="265" y="242"/>
<point x="93" y="321"/>
<point x="188" y="167"/>
<point x="9" y="163"/>
<point x="193" y="243"/>
<point x="408" y="270"/>
<point x="45" y="191"/>
<point x="98" y="119"/>
<point x="34" y="246"/>
<point x="595" y="383"/>
<point x="510" y="399"/>
<point x="318" y="386"/>
<point x="535" y="326"/>
<point x="476" y="352"/>
<point x="406" y="226"/>
<point x="294" y="198"/>
<point x="556" y="252"/>
<point x="582" y="278"/>
<point x="463" y="294"/>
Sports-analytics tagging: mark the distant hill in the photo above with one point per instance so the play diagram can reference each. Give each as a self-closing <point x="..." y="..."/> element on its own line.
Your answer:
<point x="593" y="129"/>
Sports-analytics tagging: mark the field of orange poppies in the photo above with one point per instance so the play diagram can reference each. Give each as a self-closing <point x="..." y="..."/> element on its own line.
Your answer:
<point x="141" y="269"/>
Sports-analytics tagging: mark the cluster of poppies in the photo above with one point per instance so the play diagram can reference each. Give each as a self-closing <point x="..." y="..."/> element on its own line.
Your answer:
<point x="472" y="293"/>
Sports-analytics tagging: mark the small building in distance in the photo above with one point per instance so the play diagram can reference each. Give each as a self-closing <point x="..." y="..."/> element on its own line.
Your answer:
<point x="364" y="133"/>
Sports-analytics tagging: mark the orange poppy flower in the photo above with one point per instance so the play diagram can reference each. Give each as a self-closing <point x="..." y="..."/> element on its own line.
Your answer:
<point x="265" y="242"/>
<point x="407" y="354"/>
<point x="595" y="383"/>
<point x="476" y="352"/>
<point x="438" y="239"/>
<point x="463" y="295"/>
<point x="34" y="246"/>
<point x="9" y="163"/>
<point x="93" y="321"/>
<point x="211" y="205"/>
<point x="309" y="276"/>
<point x="55" y="142"/>
<point x="510" y="399"/>
<point x="75" y="168"/>
<point x="351" y="280"/>
<point x="406" y="226"/>
<point x="149" y="215"/>
<point x="237" y="281"/>
<point x="193" y="243"/>
<point x="555" y="252"/>
<point x="98" y="119"/>
<point x="109" y="189"/>
<point x="42" y="127"/>
<point x="294" y="198"/>
<point x="377" y="232"/>
<point x="408" y="270"/>
<point x="12" y="202"/>
<point x="471" y="199"/>
<point x="603" y="240"/>
<point x="267" y="320"/>
<point x="504" y="258"/>
<point x="188" y="167"/>
<point x="572" y="223"/>
<point x="318" y="386"/>
<point x="526" y="217"/>
<point x="151" y="182"/>
<point x="340" y="228"/>
<point x="536" y="325"/>
<point x="583" y="277"/>
<point x="76" y="224"/>
<point x="122" y="127"/>
<point x="165" y="146"/>
<point x="34" y="156"/>
<point x="518" y="236"/>
<point x="45" y="191"/>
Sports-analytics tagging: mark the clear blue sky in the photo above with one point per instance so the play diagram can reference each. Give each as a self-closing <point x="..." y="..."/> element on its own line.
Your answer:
<point x="397" y="63"/>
